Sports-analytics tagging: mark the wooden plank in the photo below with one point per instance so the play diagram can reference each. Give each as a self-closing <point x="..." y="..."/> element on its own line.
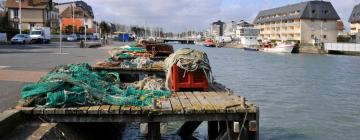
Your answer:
<point x="233" y="104"/>
<point x="198" y="108"/>
<point x="104" y="109"/>
<point x="125" y="110"/>
<point x="114" y="109"/>
<point x="176" y="105"/>
<point x="39" y="110"/>
<point x="165" y="107"/>
<point x="217" y="102"/>
<point x="146" y="110"/>
<point x="94" y="110"/>
<point x="209" y="108"/>
<point x="60" y="111"/>
<point x="135" y="110"/>
<point x="188" y="107"/>
<point x="71" y="110"/>
<point x="27" y="110"/>
<point x="83" y="110"/>
<point x="49" y="111"/>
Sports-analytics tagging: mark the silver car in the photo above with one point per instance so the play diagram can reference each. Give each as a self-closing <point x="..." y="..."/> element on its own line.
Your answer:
<point x="21" y="38"/>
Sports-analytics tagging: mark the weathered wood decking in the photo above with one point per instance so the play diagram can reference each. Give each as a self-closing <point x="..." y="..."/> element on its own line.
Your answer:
<point x="217" y="105"/>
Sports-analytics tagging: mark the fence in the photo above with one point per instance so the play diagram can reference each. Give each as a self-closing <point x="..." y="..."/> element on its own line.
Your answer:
<point x="350" y="47"/>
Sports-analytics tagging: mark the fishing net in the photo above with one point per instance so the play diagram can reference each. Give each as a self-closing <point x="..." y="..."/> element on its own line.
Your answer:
<point x="77" y="84"/>
<point x="189" y="60"/>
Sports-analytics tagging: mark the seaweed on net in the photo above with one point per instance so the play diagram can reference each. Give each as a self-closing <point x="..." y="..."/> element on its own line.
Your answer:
<point x="77" y="84"/>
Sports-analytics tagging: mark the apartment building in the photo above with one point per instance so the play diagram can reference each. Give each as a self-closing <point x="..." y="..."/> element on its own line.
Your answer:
<point x="217" y="28"/>
<point x="246" y="33"/>
<point x="305" y="22"/>
<point x="355" y="20"/>
<point x="33" y="13"/>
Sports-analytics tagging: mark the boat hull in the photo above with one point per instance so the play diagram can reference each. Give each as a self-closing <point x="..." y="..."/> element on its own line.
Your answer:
<point x="250" y="49"/>
<point x="279" y="49"/>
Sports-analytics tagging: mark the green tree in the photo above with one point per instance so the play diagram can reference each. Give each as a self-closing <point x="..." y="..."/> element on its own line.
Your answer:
<point x="5" y="27"/>
<point x="69" y="29"/>
<point x="105" y="28"/>
<point x="82" y="30"/>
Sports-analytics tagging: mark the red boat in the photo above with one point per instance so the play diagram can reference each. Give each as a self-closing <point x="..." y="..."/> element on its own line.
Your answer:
<point x="209" y="43"/>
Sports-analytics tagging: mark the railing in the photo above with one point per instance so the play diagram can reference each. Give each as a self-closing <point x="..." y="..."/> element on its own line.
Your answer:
<point x="351" y="47"/>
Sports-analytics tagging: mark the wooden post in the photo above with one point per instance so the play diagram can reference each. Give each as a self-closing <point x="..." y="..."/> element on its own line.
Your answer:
<point x="154" y="131"/>
<point x="188" y="128"/>
<point x="222" y="127"/>
<point x="213" y="130"/>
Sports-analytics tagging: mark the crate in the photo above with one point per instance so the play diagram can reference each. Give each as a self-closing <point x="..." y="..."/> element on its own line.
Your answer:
<point x="189" y="81"/>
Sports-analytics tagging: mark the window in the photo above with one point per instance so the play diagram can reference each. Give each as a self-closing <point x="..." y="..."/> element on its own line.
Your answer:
<point x="313" y="11"/>
<point x="324" y="36"/>
<point x="312" y="36"/>
<point x="16" y="13"/>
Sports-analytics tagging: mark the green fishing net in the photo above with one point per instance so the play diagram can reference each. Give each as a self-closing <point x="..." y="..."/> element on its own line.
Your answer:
<point x="77" y="84"/>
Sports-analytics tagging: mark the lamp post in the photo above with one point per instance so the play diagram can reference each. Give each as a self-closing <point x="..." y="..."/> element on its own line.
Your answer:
<point x="19" y="15"/>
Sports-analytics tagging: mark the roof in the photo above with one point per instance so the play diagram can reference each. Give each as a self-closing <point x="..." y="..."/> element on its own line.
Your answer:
<point x="219" y="22"/>
<point x="28" y="4"/>
<point x="302" y="10"/>
<point x="81" y="4"/>
<point x="355" y="14"/>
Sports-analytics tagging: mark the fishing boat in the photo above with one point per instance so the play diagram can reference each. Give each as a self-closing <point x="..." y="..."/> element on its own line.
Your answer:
<point x="209" y="43"/>
<point x="280" y="48"/>
<point x="251" y="48"/>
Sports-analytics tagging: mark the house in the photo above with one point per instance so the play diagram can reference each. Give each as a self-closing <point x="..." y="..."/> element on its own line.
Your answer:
<point x="246" y="33"/>
<point x="355" y="20"/>
<point x="305" y="22"/>
<point x="33" y="13"/>
<point x="78" y="14"/>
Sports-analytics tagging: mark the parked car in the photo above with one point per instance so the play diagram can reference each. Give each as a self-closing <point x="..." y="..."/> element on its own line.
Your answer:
<point x="21" y="38"/>
<point x="72" y="37"/>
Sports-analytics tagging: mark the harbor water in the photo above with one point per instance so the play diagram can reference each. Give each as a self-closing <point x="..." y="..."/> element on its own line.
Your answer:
<point x="301" y="96"/>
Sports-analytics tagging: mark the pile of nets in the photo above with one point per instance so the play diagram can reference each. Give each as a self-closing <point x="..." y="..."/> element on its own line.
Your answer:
<point x="77" y="84"/>
<point x="189" y="60"/>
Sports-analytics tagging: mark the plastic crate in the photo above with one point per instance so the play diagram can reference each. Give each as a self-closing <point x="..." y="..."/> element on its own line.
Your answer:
<point x="189" y="81"/>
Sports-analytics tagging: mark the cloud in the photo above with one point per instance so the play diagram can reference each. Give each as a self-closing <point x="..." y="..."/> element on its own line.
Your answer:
<point x="178" y="15"/>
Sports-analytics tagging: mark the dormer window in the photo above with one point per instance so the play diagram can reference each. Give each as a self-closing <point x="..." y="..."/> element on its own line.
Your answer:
<point x="326" y="11"/>
<point x="313" y="11"/>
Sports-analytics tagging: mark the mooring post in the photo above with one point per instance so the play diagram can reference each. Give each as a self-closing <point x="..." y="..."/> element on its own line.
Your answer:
<point x="154" y="131"/>
<point x="213" y="130"/>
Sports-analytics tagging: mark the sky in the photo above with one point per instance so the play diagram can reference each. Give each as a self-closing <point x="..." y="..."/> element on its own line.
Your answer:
<point x="179" y="15"/>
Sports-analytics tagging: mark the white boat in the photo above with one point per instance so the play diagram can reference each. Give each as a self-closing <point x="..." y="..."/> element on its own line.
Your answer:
<point x="280" y="48"/>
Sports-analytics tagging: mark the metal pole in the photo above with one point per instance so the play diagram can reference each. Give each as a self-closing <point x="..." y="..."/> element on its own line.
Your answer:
<point x="73" y="16"/>
<point x="85" y="36"/>
<point x="60" y="37"/>
<point x="20" y="21"/>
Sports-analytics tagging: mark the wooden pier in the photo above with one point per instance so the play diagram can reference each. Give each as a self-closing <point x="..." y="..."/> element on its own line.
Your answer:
<point x="219" y="107"/>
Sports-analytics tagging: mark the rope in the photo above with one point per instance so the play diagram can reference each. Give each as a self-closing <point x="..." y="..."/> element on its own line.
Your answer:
<point x="189" y="60"/>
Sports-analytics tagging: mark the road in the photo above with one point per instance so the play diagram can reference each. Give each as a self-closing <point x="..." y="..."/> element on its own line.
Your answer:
<point x="21" y="64"/>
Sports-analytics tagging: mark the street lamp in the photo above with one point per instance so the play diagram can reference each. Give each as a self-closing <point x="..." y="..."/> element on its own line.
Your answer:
<point x="19" y="15"/>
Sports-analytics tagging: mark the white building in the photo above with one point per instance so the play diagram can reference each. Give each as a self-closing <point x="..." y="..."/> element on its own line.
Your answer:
<point x="246" y="33"/>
